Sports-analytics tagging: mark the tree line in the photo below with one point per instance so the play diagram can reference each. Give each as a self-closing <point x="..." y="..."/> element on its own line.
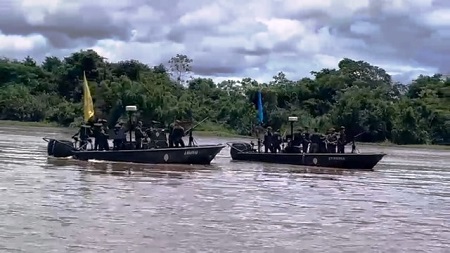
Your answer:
<point x="357" y="95"/>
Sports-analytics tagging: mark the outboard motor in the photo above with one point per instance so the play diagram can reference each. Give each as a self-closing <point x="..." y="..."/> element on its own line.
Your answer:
<point x="238" y="147"/>
<point x="50" y="144"/>
<point x="60" y="148"/>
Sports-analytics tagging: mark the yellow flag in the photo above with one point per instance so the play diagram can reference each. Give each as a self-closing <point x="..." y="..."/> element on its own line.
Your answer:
<point x="88" y="105"/>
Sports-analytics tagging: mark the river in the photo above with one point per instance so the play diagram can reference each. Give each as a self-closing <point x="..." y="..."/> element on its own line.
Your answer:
<point x="61" y="205"/>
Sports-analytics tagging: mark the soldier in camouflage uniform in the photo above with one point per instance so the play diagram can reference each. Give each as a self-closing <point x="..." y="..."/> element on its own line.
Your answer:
<point x="331" y="141"/>
<point x="342" y="140"/>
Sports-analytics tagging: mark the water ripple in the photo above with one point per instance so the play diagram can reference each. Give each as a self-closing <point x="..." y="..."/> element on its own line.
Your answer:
<point x="59" y="205"/>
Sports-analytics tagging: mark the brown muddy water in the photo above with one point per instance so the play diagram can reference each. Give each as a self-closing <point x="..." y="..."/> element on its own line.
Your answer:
<point x="61" y="205"/>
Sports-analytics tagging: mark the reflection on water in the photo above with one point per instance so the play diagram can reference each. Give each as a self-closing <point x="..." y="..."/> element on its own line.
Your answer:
<point x="128" y="169"/>
<point x="59" y="205"/>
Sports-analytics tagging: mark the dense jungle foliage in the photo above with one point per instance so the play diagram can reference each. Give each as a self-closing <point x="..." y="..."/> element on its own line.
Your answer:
<point x="357" y="95"/>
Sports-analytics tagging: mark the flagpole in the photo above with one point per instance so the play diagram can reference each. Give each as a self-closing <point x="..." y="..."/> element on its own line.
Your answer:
<point x="260" y="115"/>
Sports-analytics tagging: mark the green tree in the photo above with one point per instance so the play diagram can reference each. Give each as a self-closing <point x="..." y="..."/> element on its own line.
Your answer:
<point x="180" y="68"/>
<point x="357" y="95"/>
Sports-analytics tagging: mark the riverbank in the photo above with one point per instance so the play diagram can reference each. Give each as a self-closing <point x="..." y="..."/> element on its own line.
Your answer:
<point x="208" y="130"/>
<point x="390" y="144"/>
<point x="11" y="123"/>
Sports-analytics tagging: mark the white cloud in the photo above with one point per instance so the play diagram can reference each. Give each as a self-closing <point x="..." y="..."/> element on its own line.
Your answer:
<point x="36" y="11"/>
<point x="364" y="27"/>
<point x="207" y="15"/>
<point x="438" y="18"/>
<point x="16" y="43"/>
<point x="305" y="5"/>
<point x="401" y="7"/>
<point x="146" y="52"/>
<point x="283" y="29"/>
<point x="326" y="61"/>
<point x="236" y="39"/>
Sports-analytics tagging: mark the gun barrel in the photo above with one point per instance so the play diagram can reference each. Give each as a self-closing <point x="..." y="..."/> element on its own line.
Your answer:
<point x="196" y="125"/>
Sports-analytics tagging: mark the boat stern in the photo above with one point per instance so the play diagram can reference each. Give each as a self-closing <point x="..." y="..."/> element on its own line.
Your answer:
<point x="59" y="148"/>
<point x="239" y="147"/>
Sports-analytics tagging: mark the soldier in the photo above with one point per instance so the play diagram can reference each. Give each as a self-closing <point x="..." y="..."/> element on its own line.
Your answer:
<point x="177" y="134"/>
<point x="96" y="132"/>
<point x="342" y="140"/>
<point x="306" y="140"/>
<point x="297" y="140"/>
<point x="119" y="137"/>
<point x="161" y="138"/>
<point x="331" y="141"/>
<point x="170" y="135"/>
<point x="276" y="141"/>
<point x="123" y="133"/>
<point x="315" y="140"/>
<point x="138" y="135"/>
<point x="268" y="140"/>
<point x="258" y="130"/>
<point x="84" y="133"/>
<point x="104" y="135"/>
<point x="151" y="137"/>
<point x="323" y="143"/>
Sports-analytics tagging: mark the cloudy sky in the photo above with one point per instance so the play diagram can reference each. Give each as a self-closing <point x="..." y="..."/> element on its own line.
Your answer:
<point x="230" y="39"/>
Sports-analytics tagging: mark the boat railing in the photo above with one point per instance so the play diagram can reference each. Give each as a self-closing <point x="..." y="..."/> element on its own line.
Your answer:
<point x="233" y="145"/>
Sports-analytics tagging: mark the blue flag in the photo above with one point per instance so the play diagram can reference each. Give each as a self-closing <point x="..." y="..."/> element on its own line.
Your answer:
<point x="260" y="108"/>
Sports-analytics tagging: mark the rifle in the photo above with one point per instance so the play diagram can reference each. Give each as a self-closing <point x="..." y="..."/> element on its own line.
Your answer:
<point x="196" y="125"/>
<point x="354" y="137"/>
<point x="363" y="132"/>
<point x="353" y="141"/>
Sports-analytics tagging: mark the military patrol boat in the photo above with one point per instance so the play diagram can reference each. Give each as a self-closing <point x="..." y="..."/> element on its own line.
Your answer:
<point x="150" y="154"/>
<point x="242" y="151"/>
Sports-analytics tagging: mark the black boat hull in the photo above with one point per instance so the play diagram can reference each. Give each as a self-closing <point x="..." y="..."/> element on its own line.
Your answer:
<point x="202" y="154"/>
<point x="187" y="155"/>
<point x="361" y="161"/>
